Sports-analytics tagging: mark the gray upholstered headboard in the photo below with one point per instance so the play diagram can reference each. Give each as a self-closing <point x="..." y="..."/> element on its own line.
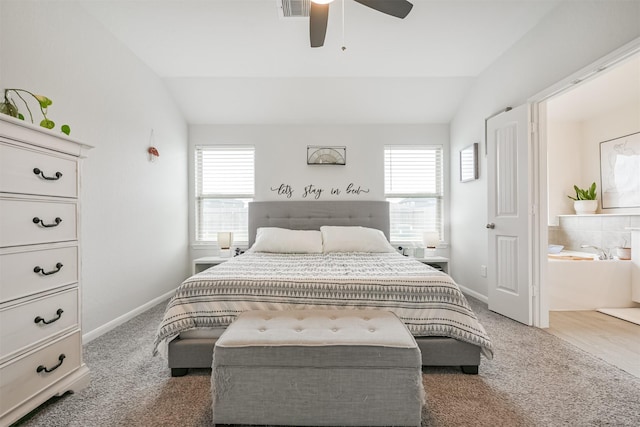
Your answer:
<point x="311" y="215"/>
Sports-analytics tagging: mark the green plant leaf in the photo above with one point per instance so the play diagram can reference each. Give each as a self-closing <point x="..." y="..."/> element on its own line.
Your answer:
<point x="9" y="109"/>
<point x="577" y="190"/>
<point x="592" y="191"/>
<point x="587" y="194"/>
<point x="20" y="116"/>
<point x="65" y="129"/>
<point x="44" y="101"/>
<point x="46" y="123"/>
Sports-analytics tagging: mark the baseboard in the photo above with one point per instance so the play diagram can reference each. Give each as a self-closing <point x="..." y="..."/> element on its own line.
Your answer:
<point x="474" y="294"/>
<point x="92" y="335"/>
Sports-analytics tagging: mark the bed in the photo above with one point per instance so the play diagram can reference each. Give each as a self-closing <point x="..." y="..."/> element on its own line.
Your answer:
<point x="340" y="262"/>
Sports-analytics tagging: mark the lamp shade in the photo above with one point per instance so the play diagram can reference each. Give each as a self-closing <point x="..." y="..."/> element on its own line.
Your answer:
<point x="431" y="239"/>
<point x="225" y="239"/>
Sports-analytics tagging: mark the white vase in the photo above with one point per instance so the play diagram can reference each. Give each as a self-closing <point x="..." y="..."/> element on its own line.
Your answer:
<point x="624" y="253"/>
<point x="585" y="207"/>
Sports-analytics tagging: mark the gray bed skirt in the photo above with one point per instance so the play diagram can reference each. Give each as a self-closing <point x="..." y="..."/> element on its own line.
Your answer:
<point x="197" y="353"/>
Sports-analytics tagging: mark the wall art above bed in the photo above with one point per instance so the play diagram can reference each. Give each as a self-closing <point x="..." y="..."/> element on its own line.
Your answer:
<point x="319" y="155"/>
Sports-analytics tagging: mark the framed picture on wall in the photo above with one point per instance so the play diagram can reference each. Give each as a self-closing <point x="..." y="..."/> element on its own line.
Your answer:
<point x="469" y="163"/>
<point x="321" y="155"/>
<point x="620" y="172"/>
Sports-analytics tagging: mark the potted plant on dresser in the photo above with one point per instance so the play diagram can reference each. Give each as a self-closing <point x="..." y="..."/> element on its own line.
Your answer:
<point x="585" y="201"/>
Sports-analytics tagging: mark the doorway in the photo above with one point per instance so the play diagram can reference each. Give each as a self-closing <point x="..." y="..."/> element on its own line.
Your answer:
<point x="574" y="118"/>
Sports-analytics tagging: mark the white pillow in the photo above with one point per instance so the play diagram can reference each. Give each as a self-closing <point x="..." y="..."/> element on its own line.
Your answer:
<point x="354" y="239"/>
<point x="285" y="241"/>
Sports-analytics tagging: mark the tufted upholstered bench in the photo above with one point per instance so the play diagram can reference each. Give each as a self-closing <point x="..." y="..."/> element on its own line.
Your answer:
<point x="317" y="367"/>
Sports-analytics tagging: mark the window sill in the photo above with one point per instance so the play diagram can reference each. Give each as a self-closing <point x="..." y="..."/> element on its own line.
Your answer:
<point x="214" y="245"/>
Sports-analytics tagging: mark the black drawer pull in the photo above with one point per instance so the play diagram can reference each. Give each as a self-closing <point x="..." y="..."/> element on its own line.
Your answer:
<point x="46" y="322"/>
<point x="38" y="269"/>
<point x="50" y="178"/>
<point x="44" y="368"/>
<point x="37" y="220"/>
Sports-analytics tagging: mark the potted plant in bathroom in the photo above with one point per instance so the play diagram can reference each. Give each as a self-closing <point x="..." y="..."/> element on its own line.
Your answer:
<point x="585" y="201"/>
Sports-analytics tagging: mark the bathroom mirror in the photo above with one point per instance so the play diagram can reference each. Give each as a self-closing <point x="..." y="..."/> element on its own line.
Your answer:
<point x="469" y="163"/>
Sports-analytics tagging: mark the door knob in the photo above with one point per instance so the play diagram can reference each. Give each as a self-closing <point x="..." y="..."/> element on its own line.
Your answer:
<point x="491" y="225"/>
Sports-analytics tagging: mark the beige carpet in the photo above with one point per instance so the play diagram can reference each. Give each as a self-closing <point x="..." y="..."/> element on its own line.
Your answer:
<point x="535" y="379"/>
<point x="629" y="314"/>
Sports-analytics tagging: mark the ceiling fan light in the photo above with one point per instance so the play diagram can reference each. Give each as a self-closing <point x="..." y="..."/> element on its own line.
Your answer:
<point x="322" y="1"/>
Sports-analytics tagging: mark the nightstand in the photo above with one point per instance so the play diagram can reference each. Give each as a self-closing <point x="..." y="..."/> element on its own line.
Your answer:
<point x="201" y="264"/>
<point x="436" y="261"/>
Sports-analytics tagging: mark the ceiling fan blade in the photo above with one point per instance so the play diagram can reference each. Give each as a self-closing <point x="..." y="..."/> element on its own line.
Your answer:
<point x="397" y="8"/>
<point x="318" y="16"/>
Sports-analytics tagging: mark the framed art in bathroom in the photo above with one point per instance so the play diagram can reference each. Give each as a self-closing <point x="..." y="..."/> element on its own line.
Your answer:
<point x="619" y="176"/>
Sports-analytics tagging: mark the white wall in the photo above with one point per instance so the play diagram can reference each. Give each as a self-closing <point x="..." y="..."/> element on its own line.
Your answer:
<point x="281" y="153"/>
<point x="134" y="221"/>
<point x="564" y="166"/>
<point x="571" y="37"/>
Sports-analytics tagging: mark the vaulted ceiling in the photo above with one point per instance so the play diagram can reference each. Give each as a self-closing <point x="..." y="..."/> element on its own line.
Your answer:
<point x="239" y="61"/>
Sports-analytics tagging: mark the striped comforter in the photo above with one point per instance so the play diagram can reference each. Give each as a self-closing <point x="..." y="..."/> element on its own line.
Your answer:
<point x="427" y="301"/>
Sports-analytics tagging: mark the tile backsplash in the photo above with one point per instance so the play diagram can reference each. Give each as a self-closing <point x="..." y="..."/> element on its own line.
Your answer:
<point x="605" y="231"/>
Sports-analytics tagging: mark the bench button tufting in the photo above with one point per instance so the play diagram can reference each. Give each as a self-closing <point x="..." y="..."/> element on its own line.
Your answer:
<point x="335" y="329"/>
<point x="262" y="329"/>
<point x="371" y="330"/>
<point x="298" y="330"/>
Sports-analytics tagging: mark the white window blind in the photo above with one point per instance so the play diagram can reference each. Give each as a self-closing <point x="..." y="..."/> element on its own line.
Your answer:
<point x="224" y="186"/>
<point x="414" y="188"/>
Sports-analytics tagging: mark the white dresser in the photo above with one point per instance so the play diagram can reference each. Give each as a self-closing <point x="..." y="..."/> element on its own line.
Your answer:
<point x="40" y="300"/>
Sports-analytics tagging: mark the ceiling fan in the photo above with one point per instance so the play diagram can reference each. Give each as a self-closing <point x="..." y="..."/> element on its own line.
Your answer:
<point x="319" y="13"/>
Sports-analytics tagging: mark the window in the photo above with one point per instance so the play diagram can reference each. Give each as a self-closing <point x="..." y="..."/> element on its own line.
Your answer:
<point x="413" y="186"/>
<point x="223" y="189"/>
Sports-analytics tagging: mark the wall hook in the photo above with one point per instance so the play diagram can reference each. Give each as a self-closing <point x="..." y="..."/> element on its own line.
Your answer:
<point x="152" y="150"/>
<point x="153" y="153"/>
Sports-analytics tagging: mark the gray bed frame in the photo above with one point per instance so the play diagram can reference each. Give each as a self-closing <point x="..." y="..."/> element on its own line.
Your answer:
<point x="311" y="215"/>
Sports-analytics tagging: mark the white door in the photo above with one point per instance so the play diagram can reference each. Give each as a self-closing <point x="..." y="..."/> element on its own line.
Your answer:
<point x="508" y="221"/>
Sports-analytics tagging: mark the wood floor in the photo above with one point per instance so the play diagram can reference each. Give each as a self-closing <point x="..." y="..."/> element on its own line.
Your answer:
<point x="611" y="339"/>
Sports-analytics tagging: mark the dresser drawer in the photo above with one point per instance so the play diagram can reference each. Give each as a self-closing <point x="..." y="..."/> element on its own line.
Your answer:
<point x="55" y="268"/>
<point x="27" y="222"/>
<point x="27" y="171"/>
<point x="21" y="379"/>
<point x="19" y="330"/>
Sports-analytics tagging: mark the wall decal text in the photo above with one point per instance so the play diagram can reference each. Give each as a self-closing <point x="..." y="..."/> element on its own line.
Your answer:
<point x="312" y="191"/>
<point x="283" y="190"/>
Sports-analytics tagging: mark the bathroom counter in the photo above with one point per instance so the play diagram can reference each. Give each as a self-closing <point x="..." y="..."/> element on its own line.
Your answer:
<point x="573" y="255"/>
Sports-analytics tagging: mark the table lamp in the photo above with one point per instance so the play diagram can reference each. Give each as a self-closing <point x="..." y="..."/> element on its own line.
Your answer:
<point x="225" y="240"/>
<point x="431" y="240"/>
